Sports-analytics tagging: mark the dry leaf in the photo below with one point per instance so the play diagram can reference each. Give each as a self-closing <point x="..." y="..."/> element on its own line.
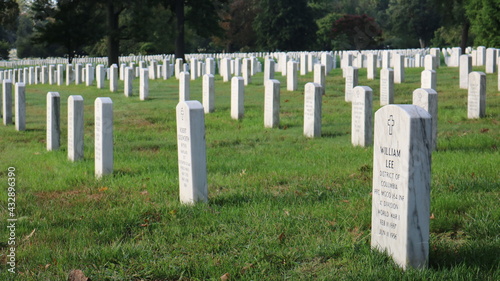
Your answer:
<point x="47" y="265"/>
<point x="432" y="216"/>
<point x="245" y="268"/>
<point x="484" y="130"/>
<point x="103" y="189"/>
<point x="282" y="237"/>
<point x="29" y="235"/>
<point x="145" y="192"/>
<point x="345" y="201"/>
<point x="243" y="172"/>
<point x="287" y="213"/>
<point x="77" y="275"/>
<point x="225" y="277"/>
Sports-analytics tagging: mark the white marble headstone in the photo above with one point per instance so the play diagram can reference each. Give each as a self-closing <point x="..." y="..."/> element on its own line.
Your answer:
<point x="428" y="79"/>
<point x="128" y="87"/>
<point x="191" y="147"/>
<point x="184" y="86"/>
<point x="246" y="71"/>
<point x="312" y="110"/>
<point x="268" y="69"/>
<point x="113" y="78"/>
<point x="53" y="121"/>
<point x="401" y="184"/>
<point x="399" y="68"/>
<point x="361" y="117"/>
<point x="491" y="60"/>
<point x="351" y="81"/>
<point x="291" y="76"/>
<point x="319" y="76"/>
<point x="386" y="86"/>
<point x="144" y="84"/>
<point x="100" y="76"/>
<point x="372" y="66"/>
<point x="78" y="73"/>
<point x="465" y="69"/>
<point x="103" y="145"/>
<point x="208" y="93"/>
<point x="75" y="128"/>
<point x="237" y="98"/>
<point x="20" y="106"/>
<point x="7" y="101"/>
<point x="476" y="101"/>
<point x="428" y="100"/>
<point x="272" y="103"/>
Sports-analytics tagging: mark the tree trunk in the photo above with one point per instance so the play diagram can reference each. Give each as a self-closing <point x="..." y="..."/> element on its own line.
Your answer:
<point x="179" y="40"/>
<point x="465" y="36"/>
<point x="422" y="43"/>
<point x="113" y="40"/>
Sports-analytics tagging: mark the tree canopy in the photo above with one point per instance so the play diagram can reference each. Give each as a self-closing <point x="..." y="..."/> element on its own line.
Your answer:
<point x="121" y="27"/>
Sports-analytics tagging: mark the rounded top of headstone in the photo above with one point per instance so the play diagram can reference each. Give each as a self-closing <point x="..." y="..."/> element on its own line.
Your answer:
<point x="409" y="110"/>
<point x="191" y="104"/>
<point x="103" y="100"/>
<point x="75" y="97"/>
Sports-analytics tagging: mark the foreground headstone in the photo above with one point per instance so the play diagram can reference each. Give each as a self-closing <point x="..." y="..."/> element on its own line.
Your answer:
<point x="351" y="81"/>
<point x="103" y="146"/>
<point x="20" y="106"/>
<point x="428" y="100"/>
<point x="75" y="128"/>
<point x="386" y="86"/>
<point x="465" y="69"/>
<point x="312" y="110"/>
<point x="144" y="84"/>
<point x="208" y="93"/>
<point x="237" y="98"/>
<point x="128" y="87"/>
<point x="192" y="159"/>
<point x="272" y="103"/>
<point x="401" y="184"/>
<point x="476" y="101"/>
<point x="361" y="117"/>
<point x="53" y="121"/>
<point x="7" y="102"/>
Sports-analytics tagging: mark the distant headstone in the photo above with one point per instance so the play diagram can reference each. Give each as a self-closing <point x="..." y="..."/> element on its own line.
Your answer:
<point x="69" y="74"/>
<point x="268" y="69"/>
<point x="361" y="117"/>
<point x="53" y="121"/>
<point x="319" y="76"/>
<point x="194" y="69"/>
<point x="179" y="65"/>
<point x="128" y="83"/>
<point x="208" y="93"/>
<point x="165" y="69"/>
<point x="60" y="75"/>
<point x="386" y="86"/>
<point x="246" y="71"/>
<point x="225" y="69"/>
<point x="272" y="103"/>
<point x="351" y="81"/>
<point x="103" y="147"/>
<point x="192" y="157"/>
<point x="78" y="73"/>
<point x="437" y="57"/>
<point x="386" y="59"/>
<point x="20" y="106"/>
<point x="312" y="110"/>
<point x="7" y="102"/>
<point x="481" y="55"/>
<point x="476" y="101"/>
<point x="399" y="68"/>
<point x="52" y="74"/>
<point x="237" y="67"/>
<point x="237" y="98"/>
<point x="465" y="69"/>
<point x="303" y="63"/>
<point x="372" y="66"/>
<point x="184" y="86"/>
<point x="113" y="78"/>
<point x="210" y="66"/>
<point x="44" y="75"/>
<point x="428" y="100"/>
<point x="491" y="60"/>
<point x="291" y="76"/>
<point x="428" y="79"/>
<point x="100" y="73"/>
<point x="75" y="128"/>
<point x="144" y="83"/>
<point x="401" y="184"/>
<point x="430" y="62"/>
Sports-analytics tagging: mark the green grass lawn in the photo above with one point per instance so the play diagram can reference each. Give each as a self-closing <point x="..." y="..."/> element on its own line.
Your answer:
<point x="281" y="206"/>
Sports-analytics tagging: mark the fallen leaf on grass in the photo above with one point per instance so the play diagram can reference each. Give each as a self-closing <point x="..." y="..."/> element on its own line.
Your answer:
<point x="484" y="130"/>
<point x="225" y="277"/>
<point x="432" y="216"/>
<point x="77" y="275"/>
<point x="29" y="235"/>
<point x="145" y="192"/>
<point x="287" y="213"/>
<point x="245" y="268"/>
<point x="103" y="189"/>
<point x="345" y="201"/>
<point x="282" y="237"/>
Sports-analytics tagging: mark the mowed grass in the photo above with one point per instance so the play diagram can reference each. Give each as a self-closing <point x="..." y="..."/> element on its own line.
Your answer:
<point x="281" y="206"/>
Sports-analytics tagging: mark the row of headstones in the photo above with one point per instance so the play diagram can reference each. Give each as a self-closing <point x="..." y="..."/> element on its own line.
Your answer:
<point x="402" y="167"/>
<point x="482" y="56"/>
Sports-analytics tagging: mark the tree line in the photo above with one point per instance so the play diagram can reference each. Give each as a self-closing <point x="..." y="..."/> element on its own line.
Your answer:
<point x="42" y="28"/>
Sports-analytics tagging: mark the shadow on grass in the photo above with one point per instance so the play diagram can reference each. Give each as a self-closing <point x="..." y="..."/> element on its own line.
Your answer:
<point x="484" y="255"/>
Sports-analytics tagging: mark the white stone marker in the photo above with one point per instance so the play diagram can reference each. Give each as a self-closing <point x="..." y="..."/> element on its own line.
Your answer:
<point x="399" y="68"/>
<point x="53" y="120"/>
<point x="312" y="110"/>
<point x="75" y="128"/>
<point x="303" y="63"/>
<point x="237" y="67"/>
<point x="401" y="184"/>
<point x="20" y="106"/>
<point x="361" y="117"/>
<point x="491" y="60"/>
<point x="476" y="101"/>
<point x="372" y="66"/>
<point x="465" y="69"/>
<point x="291" y="76"/>
<point x="165" y="69"/>
<point x="144" y="84"/>
<point x="69" y="74"/>
<point x="386" y="86"/>
<point x="430" y="62"/>
<point x="225" y="69"/>
<point x="128" y="83"/>
<point x="103" y="146"/>
<point x="192" y="156"/>
<point x="44" y="78"/>
<point x="78" y="73"/>
<point x="351" y="81"/>
<point x="60" y="75"/>
<point x="237" y="98"/>
<point x="481" y="56"/>
<point x="428" y="79"/>
<point x="179" y="64"/>
<point x="113" y="78"/>
<point x="428" y="100"/>
<point x="52" y="74"/>
<point x="268" y="69"/>
<point x="184" y="86"/>
<point x="208" y="93"/>
<point x="210" y="66"/>
<point x="31" y="76"/>
<point x="7" y="102"/>
<point x="319" y="76"/>
<point x="246" y="71"/>
<point x="100" y="73"/>
<point x="272" y="103"/>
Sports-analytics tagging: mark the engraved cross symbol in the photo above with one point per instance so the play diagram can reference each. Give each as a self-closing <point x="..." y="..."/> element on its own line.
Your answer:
<point x="390" y="123"/>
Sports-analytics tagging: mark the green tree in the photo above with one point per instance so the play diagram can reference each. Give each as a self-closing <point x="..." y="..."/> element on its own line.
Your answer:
<point x="359" y="31"/>
<point x="413" y="18"/>
<point x="484" y="16"/>
<point x="284" y="25"/>
<point x="456" y="24"/>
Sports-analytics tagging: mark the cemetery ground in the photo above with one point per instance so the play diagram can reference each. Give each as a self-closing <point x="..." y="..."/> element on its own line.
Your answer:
<point x="281" y="206"/>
